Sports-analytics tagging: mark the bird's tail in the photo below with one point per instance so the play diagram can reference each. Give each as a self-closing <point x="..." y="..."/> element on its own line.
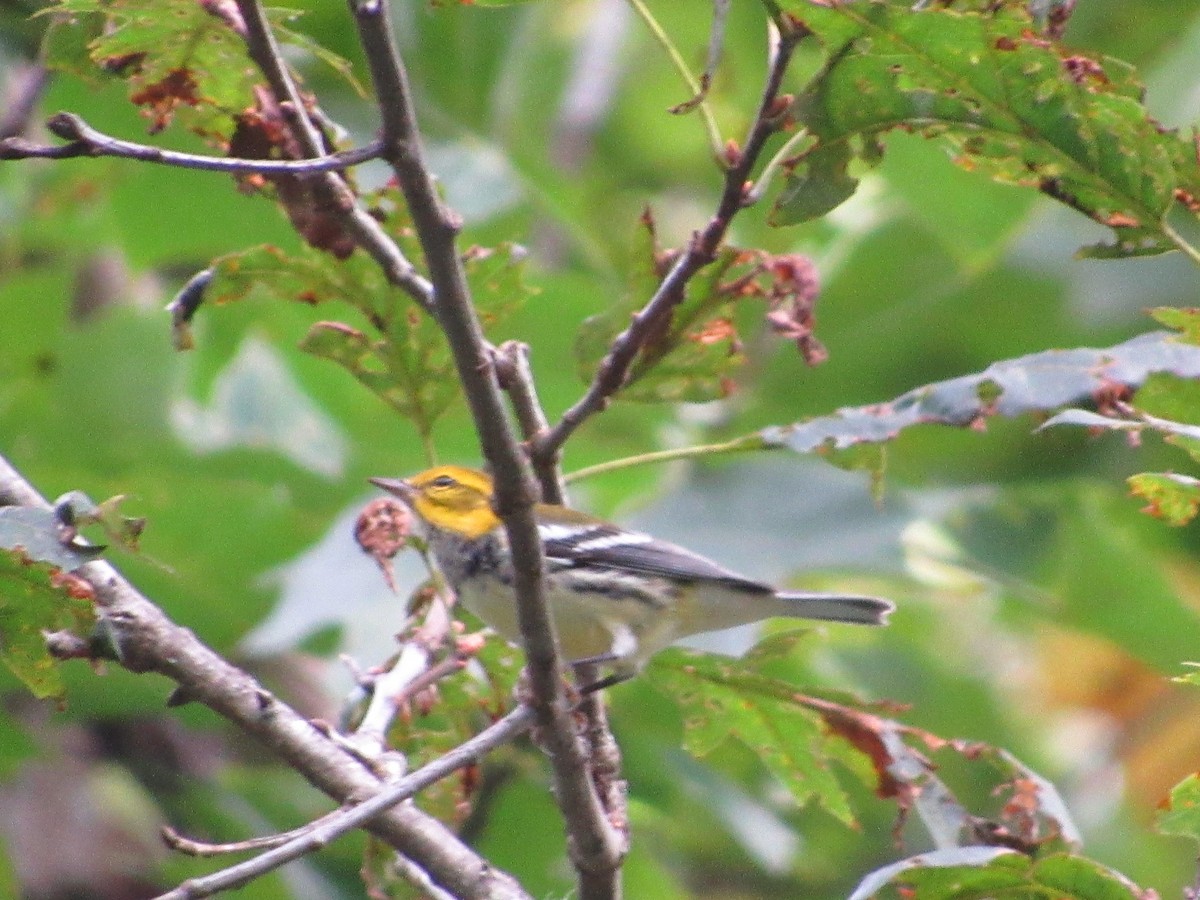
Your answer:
<point x="835" y="607"/>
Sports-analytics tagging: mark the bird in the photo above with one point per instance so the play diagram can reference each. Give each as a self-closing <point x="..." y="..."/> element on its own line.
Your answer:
<point x="616" y="596"/>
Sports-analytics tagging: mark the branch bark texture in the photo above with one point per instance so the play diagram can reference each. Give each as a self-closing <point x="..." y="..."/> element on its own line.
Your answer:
<point x="594" y="845"/>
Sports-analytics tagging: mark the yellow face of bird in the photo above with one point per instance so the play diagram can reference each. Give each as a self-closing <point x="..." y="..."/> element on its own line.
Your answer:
<point x="454" y="498"/>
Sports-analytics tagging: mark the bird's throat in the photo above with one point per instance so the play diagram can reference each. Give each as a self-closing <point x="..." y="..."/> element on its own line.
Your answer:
<point x="469" y="523"/>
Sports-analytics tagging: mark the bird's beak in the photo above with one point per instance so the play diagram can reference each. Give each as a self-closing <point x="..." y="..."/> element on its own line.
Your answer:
<point x="395" y="486"/>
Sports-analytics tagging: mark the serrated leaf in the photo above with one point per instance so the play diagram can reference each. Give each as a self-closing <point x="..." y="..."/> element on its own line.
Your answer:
<point x="406" y="362"/>
<point x="1173" y="498"/>
<point x="179" y="56"/>
<point x="294" y="38"/>
<point x="35" y="597"/>
<point x="1186" y="321"/>
<point x="695" y="347"/>
<point x="691" y="355"/>
<point x="1086" y="879"/>
<point x="462" y="705"/>
<point x="1038" y="382"/>
<point x="960" y="860"/>
<point x="721" y="702"/>
<point x="1039" y="801"/>
<point x="993" y="872"/>
<point x="1001" y="98"/>
<point x="821" y="184"/>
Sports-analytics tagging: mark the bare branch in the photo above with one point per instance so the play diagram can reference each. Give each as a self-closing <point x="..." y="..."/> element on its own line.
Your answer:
<point x="595" y="847"/>
<point x="151" y="642"/>
<point x="516" y="377"/>
<point x="86" y="141"/>
<point x="186" y="845"/>
<point x="332" y="826"/>
<point x="614" y="370"/>
<point x="411" y="673"/>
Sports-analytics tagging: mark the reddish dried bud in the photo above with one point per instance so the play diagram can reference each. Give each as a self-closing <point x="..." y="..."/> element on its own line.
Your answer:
<point x="732" y="154"/>
<point x="382" y="531"/>
<point x="779" y="107"/>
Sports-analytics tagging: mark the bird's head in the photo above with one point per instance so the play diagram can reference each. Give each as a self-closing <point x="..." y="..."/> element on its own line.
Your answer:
<point x="452" y="498"/>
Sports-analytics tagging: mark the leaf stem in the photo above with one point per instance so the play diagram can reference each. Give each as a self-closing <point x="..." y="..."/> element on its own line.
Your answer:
<point x="743" y="444"/>
<point x="774" y="164"/>
<point x="715" y="141"/>
<point x="1181" y="242"/>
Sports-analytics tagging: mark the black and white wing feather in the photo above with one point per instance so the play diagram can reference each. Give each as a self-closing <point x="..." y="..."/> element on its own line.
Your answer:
<point x="599" y="544"/>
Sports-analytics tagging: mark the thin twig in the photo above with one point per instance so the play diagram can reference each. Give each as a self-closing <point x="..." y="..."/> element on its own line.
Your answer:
<point x="150" y="642"/>
<point x="335" y="824"/>
<point x="595" y="847"/>
<point x="87" y="141"/>
<point x="516" y="376"/>
<point x="390" y="689"/>
<point x="614" y="370"/>
<point x="191" y="847"/>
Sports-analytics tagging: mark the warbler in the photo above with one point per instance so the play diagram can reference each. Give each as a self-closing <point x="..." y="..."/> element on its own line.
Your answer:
<point x="617" y="597"/>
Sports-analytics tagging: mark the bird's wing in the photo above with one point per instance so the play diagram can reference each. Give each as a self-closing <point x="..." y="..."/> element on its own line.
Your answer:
<point x="607" y="546"/>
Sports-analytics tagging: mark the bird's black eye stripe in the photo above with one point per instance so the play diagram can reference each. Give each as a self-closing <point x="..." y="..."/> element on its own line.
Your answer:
<point x="442" y="481"/>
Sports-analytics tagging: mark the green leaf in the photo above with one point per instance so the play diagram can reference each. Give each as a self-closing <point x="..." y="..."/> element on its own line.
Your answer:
<point x="34" y="598"/>
<point x="1003" y="101"/>
<point x="1185" y="321"/>
<point x="999" y="874"/>
<point x="289" y="36"/>
<point x="179" y="56"/>
<point x="1181" y="813"/>
<point x="952" y="869"/>
<point x="722" y="701"/>
<point x="407" y="363"/>
<point x="1173" y="498"/>
<point x="821" y="184"/>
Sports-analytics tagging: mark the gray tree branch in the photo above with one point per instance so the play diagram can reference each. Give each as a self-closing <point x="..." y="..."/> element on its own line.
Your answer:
<point x="595" y="846"/>
<point x="150" y="642"/>
<point x="87" y="141"/>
